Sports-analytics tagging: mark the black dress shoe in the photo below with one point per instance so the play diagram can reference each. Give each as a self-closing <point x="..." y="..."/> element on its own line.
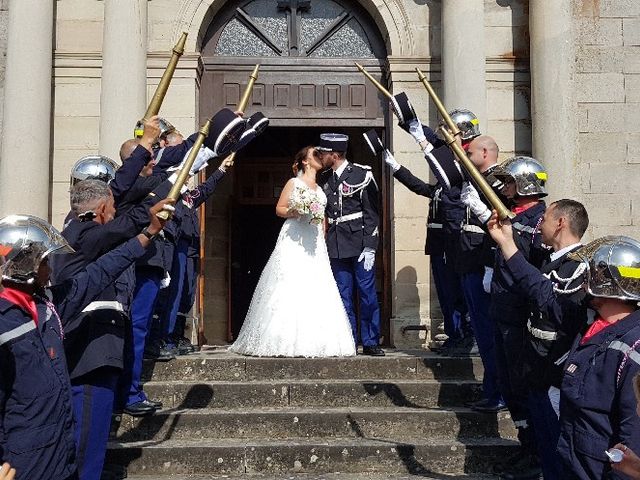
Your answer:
<point x="493" y="407"/>
<point x="154" y="403"/>
<point x="476" y="403"/>
<point x="374" y="351"/>
<point x="158" y="354"/>
<point x="140" y="409"/>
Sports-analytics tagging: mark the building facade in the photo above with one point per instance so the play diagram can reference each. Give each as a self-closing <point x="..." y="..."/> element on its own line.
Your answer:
<point x="560" y="80"/>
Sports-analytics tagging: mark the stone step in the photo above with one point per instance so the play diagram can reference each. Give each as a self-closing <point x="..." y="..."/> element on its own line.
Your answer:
<point x="314" y="393"/>
<point x="306" y="476"/>
<point x="325" y="422"/>
<point x="220" y="365"/>
<point x="380" y="455"/>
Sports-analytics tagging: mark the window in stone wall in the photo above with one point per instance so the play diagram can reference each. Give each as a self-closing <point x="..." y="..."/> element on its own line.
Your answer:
<point x="294" y="28"/>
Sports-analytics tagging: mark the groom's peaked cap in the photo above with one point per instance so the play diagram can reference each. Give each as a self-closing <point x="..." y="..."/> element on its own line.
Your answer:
<point x="333" y="142"/>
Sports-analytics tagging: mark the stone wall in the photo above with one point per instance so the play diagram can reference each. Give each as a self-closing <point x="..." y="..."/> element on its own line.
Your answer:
<point x="4" y="20"/>
<point x="607" y="81"/>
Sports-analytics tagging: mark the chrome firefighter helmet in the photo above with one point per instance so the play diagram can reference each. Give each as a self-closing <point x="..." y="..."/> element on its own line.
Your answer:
<point x="94" y="167"/>
<point x="613" y="267"/>
<point x="528" y="174"/>
<point x="25" y="241"/>
<point x="165" y="128"/>
<point x="467" y="122"/>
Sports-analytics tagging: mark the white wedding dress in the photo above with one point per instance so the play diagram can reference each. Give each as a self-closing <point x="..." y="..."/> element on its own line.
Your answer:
<point x="296" y="310"/>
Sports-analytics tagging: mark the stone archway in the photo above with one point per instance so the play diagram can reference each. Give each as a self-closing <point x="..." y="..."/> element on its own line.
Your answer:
<point x="307" y="82"/>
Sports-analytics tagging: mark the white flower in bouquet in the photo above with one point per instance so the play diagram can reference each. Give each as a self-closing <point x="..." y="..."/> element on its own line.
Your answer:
<point x="306" y="202"/>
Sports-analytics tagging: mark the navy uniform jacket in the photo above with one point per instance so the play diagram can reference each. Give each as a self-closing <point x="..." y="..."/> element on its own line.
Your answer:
<point x="127" y="174"/>
<point x="142" y="187"/>
<point x="95" y="338"/>
<point x="445" y="210"/>
<point x="36" y="418"/>
<point x="508" y="304"/>
<point x="557" y="313"/>
<point x="476" y="247"/>
<point x="159" y="254"/>
<point x="171" y="156"/>
<point x="352" y="211"/>
<point x="191" y="200"/>
<point x="597" y="403"/>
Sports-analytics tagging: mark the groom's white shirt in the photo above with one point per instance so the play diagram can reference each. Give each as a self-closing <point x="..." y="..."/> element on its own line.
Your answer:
<point x="341" y="168"/>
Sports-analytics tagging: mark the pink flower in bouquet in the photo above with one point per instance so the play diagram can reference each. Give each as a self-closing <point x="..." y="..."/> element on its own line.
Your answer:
<point x="315" y="208"/>
<point x="317" y="212"/>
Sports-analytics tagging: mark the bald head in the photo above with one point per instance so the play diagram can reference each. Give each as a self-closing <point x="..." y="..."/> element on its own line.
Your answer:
<point x="173" y="138"/>
<point x="127" y="148"/>
<point x="483" y="152"/>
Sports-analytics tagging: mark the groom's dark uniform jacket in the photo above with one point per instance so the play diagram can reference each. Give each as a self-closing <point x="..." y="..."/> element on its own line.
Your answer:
<point x="352" y="211"/>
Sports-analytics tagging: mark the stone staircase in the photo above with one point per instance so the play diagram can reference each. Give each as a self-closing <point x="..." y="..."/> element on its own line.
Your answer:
<point x="399" y="416"/>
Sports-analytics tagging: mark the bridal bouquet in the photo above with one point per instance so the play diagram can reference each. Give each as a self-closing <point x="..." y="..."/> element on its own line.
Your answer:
<point x="306" y="202"/>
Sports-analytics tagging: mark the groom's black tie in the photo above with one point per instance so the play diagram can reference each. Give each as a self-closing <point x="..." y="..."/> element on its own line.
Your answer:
<point x="335" y="180"/>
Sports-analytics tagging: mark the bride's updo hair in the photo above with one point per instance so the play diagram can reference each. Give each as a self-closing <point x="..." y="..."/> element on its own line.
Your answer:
<point x="298" y="166"/>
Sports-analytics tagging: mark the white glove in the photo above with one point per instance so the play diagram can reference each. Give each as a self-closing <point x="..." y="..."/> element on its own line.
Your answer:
<point x="204" y="155"/>
<point x="389" y="160"/>
<point x="369" y="256"/>
<point x="470" y="197"/>
<point x="173" y="177"/>
<point x="416" y="131"/>
<point x="486" y="280"/>
<point x="166" y="281"/>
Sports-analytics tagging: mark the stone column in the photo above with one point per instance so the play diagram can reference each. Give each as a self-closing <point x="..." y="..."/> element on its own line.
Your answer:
<point x="463" y="58"/>
<point x="123" y="95"/>
<point x="552" y="100"/>
<point x="26" y="144"/>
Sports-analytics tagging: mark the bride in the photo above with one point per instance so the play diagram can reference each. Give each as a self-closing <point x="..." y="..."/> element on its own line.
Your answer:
<point x="296" y="310"/>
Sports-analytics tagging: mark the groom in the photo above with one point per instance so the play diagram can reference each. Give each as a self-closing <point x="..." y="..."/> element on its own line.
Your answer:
<point x="352" y="235"/>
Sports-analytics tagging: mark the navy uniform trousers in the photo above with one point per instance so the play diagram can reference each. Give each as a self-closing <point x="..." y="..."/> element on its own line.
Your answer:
<point x="347" y="272"/>
<point x="148" y="282"/>
<point x="188" y="296"/>
<point x="448" y="286"/>
<point x="478" y="302"/>
<point x="169" y="298"/>
<point x="93" y="398"/>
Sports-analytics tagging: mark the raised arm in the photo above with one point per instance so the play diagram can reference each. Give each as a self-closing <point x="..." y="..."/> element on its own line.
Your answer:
<point x="75" y="294"/>
<point x="413" y="183"/>
<point x="128" y="173"/>
<point x="202" y="192"/>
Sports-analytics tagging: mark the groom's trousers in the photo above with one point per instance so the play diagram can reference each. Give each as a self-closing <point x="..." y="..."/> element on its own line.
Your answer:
<point x="347" y="272"/>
